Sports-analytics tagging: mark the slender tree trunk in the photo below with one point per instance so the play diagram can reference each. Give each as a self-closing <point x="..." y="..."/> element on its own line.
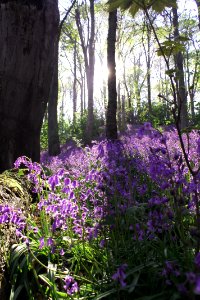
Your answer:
<point x="105" y="96"/>
<point x="111" y="120"/>
<point x="130" y="108"/>
<point x="81" y="88"/>
<point x="137" y="88"/>
<point x="28" y="39"/>
<point x="119" y="107"/>
<point x="149" y="67"/>
<point x="53" y="135"/>
<point x="198" y="6"/>
<point x="123" y="114"/>
<point x="75" y="85"/>
<point x="89" y="60"/>
<point x="181" y="88"/>
<point x="81" y="83"/>
<point x="191" y="85"/>
<point x="84" y="93"/>
<point x="90" y="77"/>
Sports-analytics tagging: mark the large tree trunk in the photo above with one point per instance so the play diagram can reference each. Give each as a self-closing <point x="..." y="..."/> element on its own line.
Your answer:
<point x="111" y="120"/>
<point x="28" y="38"/>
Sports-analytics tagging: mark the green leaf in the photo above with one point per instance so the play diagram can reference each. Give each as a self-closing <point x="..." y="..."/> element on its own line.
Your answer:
<point x="134" y="9"/>
<point x="52" y="268"/>
<point x="62" y="295"/>
<point x="170" y="47"/>
<point x="170" y="72"/>
<point x="183" y="38"/>
<point x="103" y="295"/>
<point x="156" y="296"/>
<point x="15" y="293"/>
<point x="114" y="4"/>
<point x="160" y="5"/>
<point x="134" y="5"/>
<point x="46" y="280"/>
<point x="133" y="285"/>
<point x="17" y="251"/>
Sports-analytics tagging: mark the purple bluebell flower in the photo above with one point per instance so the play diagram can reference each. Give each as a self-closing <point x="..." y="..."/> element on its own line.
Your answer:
<point x="41" y="240"/>
<point x="50" y="242"/>
<point x="147" y="126"/>
<point x="54" y="181"/>
<point x="70" y="286"/>
<point x="197" y="260"/>
<point x="102" y="243"/>
<point x="197" y="286"/>
<point x="62" y="252"/>
<point x="120" y="275"/>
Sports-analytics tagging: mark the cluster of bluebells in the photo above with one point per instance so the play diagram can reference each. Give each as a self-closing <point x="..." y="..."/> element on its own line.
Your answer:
<point x="170" y="270"/>
<point x="73" y="203"/>
<point x="34" y="172"/>
<point x="12" y="216"/>
<point x="80" y="192"/>
<point x="174" y="276"/>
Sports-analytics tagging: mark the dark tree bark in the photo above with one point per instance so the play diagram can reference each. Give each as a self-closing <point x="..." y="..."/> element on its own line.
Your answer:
<point x="181" y="88"/>
<point x="28" y="36"/>
<point x="111" y="120"/>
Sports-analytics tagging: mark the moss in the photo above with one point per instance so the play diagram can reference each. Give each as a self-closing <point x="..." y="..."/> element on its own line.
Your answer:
<point x="15" y="190"/>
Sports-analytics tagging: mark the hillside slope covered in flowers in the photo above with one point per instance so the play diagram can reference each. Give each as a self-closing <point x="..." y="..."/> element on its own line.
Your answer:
<point x="116" y="220"/>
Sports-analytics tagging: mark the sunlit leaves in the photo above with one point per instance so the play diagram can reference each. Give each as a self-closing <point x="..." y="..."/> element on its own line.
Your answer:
<point x="169" y="48"/>
<point x="133" y="6"/>
<point x="160" y="5"/>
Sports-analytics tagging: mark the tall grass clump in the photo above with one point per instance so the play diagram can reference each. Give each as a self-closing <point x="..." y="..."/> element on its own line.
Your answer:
<point x="117" y="220"/>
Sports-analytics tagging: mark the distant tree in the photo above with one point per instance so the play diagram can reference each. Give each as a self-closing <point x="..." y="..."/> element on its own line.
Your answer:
<point x="198" y="6"/>
<point x="53" y="135"/>
<point x="88" y="48"/>
<point x="111" y="121"/>
<point x="180" y="82"/>
<point x="29" y="36"/>
<point x="148" y="58"/>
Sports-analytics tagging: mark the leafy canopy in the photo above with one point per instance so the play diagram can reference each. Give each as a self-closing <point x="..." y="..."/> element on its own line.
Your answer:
<point x="133" y="6"/>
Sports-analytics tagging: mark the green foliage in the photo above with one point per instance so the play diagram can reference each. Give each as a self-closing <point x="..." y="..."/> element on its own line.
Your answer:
<point x="75" y="131"/>
<point x="133" y="6"/>
<point x="159" y="116"/>
<point x="169" y="48"/>
<point x="44" y="135"/>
